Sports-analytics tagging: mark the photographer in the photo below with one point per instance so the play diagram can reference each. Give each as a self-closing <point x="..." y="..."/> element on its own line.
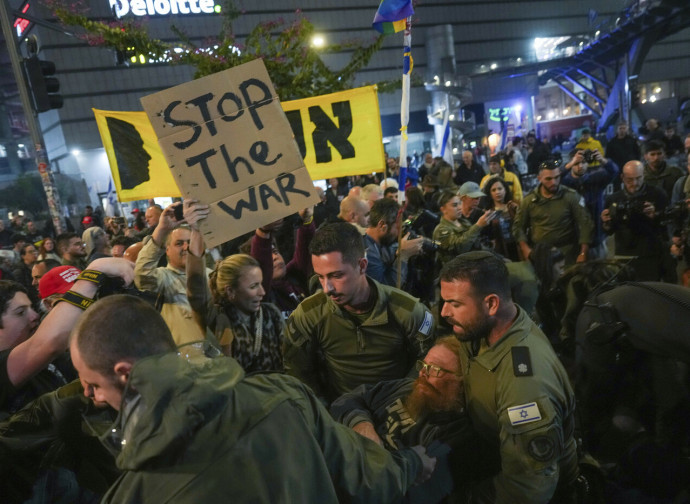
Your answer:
<point x="589" y="173"/>
<point x="381" y="242"/>
<point x="633" y="216"/>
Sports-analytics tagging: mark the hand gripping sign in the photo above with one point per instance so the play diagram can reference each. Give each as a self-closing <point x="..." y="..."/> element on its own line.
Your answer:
<point x="228" y="144"/>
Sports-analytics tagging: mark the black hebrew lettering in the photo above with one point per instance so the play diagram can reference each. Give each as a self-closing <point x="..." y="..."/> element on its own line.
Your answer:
<point x="202" y="103"/>
<point x="265" y="192"/>
<point x="286" y="184"/>
<point x="132" y="159"/>
<point x="326" y="131"/>
<point x="232" y="164"/>
<point x="253" y="105"/>
<point x="230" y="96"/>
<point x="236" y="213"/>
<point x="294" y="117"/>
<point x="202" y="160"/>
<point x="175" y="122"/>
<point x="259" y="152"/>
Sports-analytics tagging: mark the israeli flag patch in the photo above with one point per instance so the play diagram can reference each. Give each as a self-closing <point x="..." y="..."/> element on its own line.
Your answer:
<point x="428" y="321"/>
<point x="525" y="413"/>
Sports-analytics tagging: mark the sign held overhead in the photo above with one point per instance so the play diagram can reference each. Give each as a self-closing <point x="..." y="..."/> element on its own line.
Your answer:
<point x="228" y="144"/>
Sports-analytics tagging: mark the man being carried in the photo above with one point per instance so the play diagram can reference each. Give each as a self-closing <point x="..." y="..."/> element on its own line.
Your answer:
<point x="172" y="409"/>
<point x="356" y="331"/>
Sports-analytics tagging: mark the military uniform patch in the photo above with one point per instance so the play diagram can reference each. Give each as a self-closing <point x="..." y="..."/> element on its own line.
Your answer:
<point x="524" y="413"/>
<point x="542" y="448"/>
<point x="522" y="363"/>
<point x="427" y="323"/>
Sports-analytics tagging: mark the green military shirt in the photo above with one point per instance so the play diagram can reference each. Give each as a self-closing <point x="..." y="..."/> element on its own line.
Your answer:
<point x="519" y="398"/>
<point x="664" y="179"/>
<point x="455" y="240"/>
<point x="334" y="352"/>
<point x="560" y="221"/>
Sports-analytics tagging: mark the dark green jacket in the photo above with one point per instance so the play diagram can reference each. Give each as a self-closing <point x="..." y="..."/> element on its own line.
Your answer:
<point x="204" y="433"/>
<point x="329" y="351"/>
<point x="664" y="178"/>
<point x="455" y="240"/>
<point x="537" y="447"/>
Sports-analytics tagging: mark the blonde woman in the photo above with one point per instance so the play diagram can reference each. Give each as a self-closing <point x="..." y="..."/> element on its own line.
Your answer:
<point x="229" y="304"/>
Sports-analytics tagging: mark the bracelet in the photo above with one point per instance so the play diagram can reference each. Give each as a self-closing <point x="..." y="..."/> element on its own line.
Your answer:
<point x="75" y="299"/>
<point x="94" y="276"/>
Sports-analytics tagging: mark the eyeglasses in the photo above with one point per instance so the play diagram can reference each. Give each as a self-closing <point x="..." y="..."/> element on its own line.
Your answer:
<point x="431" y="369"/>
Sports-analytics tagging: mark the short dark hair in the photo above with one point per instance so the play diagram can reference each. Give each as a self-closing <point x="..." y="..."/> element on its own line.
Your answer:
<point x="485" y="271"/>
<point x="390" y="190"/>
<point x="445" y="197"/>
<point x="50" y="264"/>
<point x="385" y="210"/>
<point x="22" y="251"/>
<point x="122" y="240"/>
<point x="8" y="289"/>
<point x="120" y="328"/>
<point x="340" y="237"/>
<point x="62" y="240"/>
<point x="654" y="145"/>
<point x="17" y="237"/>
<point x="550" y="164"/>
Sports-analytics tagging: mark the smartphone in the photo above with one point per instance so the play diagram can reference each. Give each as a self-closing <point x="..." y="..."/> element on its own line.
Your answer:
<point x="179" y="214"/>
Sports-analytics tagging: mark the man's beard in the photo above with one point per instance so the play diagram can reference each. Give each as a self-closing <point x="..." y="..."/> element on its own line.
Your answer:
<point x="419" y="404"/>
<point x="475" y="330"/>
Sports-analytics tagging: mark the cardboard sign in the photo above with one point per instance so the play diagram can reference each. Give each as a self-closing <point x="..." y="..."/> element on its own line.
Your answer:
<point x="229" y="145"/>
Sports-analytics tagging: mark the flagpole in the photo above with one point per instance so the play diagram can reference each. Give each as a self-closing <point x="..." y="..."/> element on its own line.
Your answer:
<point x="404" y="120"/>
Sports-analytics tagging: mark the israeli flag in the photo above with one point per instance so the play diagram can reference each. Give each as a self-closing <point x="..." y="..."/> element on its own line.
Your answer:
<point x="525" y="413"/>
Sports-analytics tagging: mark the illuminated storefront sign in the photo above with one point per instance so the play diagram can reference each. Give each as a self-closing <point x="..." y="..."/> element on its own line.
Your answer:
<point x="163" y="7"/>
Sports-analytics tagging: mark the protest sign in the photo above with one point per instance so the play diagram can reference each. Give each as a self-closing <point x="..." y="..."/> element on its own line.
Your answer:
<point x="136" y="161"/>
<point x="338" y="134"/>
<point x="228" y="144"/>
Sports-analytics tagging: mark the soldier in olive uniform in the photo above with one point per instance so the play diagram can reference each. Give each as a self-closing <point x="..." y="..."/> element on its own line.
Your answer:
<point x="518" y="394"/>
<point x="357" y="331"/>
<point x="554" y="215"/>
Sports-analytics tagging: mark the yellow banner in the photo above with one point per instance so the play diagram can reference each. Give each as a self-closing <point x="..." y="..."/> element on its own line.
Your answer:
<point x="338" y="135"/>
<point x="137" y="164"/>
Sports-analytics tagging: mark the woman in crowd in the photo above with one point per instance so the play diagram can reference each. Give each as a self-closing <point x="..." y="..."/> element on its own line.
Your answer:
<point x="47" y="250"/>
<point x="499" y="232"/>
<point x="229" y="304"/>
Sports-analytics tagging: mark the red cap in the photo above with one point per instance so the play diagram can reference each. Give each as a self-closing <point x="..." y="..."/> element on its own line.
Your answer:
<point x="87" y="220"/>
<point x="57" y="281"/>
<point x="136" y="210"/>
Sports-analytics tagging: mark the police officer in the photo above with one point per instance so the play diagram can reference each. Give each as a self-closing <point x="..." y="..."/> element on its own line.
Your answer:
<point x="554" y="215"/>
<point x="519" y="397"/>
<point x="357" y="331"/>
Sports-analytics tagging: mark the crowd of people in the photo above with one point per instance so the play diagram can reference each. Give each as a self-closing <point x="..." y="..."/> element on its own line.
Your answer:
<point x="372" y="348"/>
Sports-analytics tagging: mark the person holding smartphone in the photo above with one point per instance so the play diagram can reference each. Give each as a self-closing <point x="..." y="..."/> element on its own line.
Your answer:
<point x="499" y="231"/>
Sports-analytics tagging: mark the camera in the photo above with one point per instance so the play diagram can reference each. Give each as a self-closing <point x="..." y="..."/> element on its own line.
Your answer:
<point x="415" y="224"/>
<point x="676" y="215"/>
<point x="589" y="156"/>
<point x="622" y="211"/>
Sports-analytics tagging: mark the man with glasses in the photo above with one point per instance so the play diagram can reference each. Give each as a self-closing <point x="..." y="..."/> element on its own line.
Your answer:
<point x="408" y="412"/>
<point x="633" y="215"/>
<point x="519" y="398"/>
<point x="554" y="215"/>
<point x="71" y="248"/>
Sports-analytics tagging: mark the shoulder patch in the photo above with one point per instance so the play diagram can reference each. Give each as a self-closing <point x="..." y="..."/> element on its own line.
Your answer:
<point x="427" y="323"/>
<point x="403" y="300"/>
<point x="524" y="413"/>
<point x="522" y="363"/>
<point x="314" y="301"/>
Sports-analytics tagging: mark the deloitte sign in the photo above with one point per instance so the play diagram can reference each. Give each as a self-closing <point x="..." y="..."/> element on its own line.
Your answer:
<point x="163" y="7"/>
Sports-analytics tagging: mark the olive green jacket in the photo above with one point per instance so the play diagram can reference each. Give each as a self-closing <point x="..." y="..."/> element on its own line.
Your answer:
<point x="204" y="433"/>
<point x="455" y="240"/>
<point x="560" y="221"/>
<point x="519" y="398"/>
<point x="332" y="353"/>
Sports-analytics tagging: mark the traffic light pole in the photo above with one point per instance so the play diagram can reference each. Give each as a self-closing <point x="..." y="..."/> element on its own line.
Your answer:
<point x="52" y="196"/>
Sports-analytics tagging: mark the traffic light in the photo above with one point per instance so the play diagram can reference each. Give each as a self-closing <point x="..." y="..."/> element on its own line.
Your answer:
<point x="43" y="88"/>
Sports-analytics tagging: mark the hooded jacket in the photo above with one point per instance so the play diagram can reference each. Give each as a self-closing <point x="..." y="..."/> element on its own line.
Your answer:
<point x="203" y="432"/>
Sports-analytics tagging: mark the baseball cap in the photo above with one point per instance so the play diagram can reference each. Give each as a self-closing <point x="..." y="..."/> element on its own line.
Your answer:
<point x="87" y="220"/>
<point x="471" y="190"/>
<point x="57" y="281"/>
